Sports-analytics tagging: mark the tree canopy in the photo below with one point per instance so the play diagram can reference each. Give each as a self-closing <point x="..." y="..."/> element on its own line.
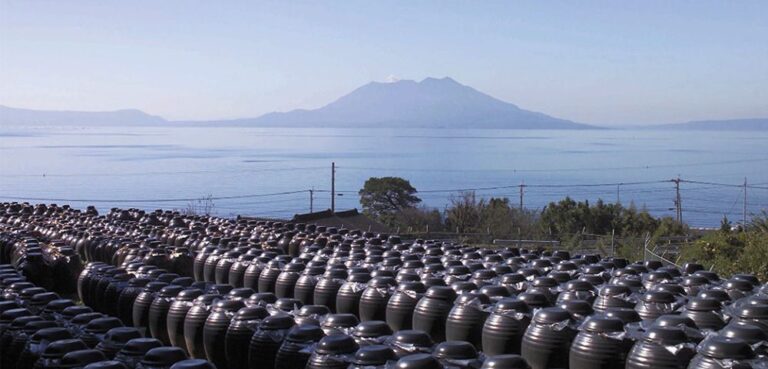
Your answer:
<point x="386" y="197"/>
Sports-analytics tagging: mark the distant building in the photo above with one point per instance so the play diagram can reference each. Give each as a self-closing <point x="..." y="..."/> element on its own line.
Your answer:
<point x="350" y="219"/>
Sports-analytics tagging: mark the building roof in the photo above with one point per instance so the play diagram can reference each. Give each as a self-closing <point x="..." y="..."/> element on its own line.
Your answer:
<point x="350" y="219"/>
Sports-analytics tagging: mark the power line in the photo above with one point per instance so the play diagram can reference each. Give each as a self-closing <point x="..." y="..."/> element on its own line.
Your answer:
<point x="130" y="174"/>
<point x="562" y="169"/>
<point x="153" y="200"/>
<point x="721" y="184"/>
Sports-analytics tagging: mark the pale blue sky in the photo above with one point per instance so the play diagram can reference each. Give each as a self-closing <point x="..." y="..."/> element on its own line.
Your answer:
<point x="602" y="62"/>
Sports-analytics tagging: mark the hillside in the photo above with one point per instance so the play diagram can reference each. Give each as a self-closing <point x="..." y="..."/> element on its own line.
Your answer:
<point x="757" y="124"/>
<point x="28" y="117"/>
<point x="431" y="103"/>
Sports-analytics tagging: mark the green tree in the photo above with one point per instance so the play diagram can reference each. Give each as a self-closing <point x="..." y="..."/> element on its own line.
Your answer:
<point x="387" y="198"/>
<point x="725" y="225"/>
<point x="464" y="215"/>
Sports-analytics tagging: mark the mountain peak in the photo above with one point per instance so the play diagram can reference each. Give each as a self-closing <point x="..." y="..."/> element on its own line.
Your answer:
<point x="439" y="80"/>
<point x="429" y="103"/>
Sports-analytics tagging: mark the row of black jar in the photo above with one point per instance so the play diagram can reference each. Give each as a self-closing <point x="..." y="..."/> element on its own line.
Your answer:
<point x="548" y="307"/>
<point x="619" y="316"/>
<point x="50" y="332"/>
<point x="39" y="329"/>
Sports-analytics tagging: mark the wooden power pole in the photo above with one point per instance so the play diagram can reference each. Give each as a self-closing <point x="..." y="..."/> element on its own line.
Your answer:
<point x="678" y="204"/>
<point x="744" y="213"/>
<point x="312" y="200"/>
<point x="333" y="187"/>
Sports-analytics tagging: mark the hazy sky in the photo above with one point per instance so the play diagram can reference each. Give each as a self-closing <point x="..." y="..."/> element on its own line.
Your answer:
<point x="603" y="62"/>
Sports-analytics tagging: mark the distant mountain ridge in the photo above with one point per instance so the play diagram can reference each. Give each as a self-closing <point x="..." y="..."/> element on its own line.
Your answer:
<point x="29" y="117"/>
<point x="754" y="124"/>
<point x="431" y="103"/>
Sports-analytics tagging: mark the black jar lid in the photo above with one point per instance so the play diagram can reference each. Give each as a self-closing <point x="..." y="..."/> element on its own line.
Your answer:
<point x="534" y="299"/>
<point x="58" y="305"/>
<point x="305" y="333"/>
<point x="139" y="346"/>
<point x="154" y="286"/>
<point x="138" y="282"/>
<point x="672" y="288"/>
<point x="43" y="298"/>
<point x="336" y="344"/>
<point x="512" y="278"/>
<point x="759" y="312"/>
<point x="547" y="282"/>
<point x="207" y="299"/>
<point x="417" y="287"/>
<point x="744" y="331"/>
<point x="372" y="329"/>
<point x="471" y="297"/>
<point x="665" y="335"/>
<point x="703" y="304"/>
<point x="495" y="291"/>
<point x="720" y="347"/>
<point x="341" y="320"/>
<point x="81" y="358"/>
<point x="59" y="348"/>
<point x="508" y="361"/>
<point x="674" y="320"/>
<point x="251" y="313"/>
<point x="374" y="355"/>
<point x="441" y="293"/>
<point x="106" y="364"/>
<point x="413" y="337"/>
<point x="551" y="315"/>
<point x="577" y="307"/>
<point x="579" y="285"/>
<point x="73" y="311"/>
<point x="102" y="325"/>
<point x="21" y="321"/>
<point x="419" y="361"/>
<point x="262" y="298"/>
<point x="627" y="315"/>
<point x="658" y="297"/>
<point x="189" y="294"/>
<point x="51" y="334"/>
<point x="275" y="322"/>
<point x="170" y="291"/>
<point x="600" y="324"/>
<point x="85" y="318"/>
<point x="694" y="280"/>
<point x="29" y="292"/>
<point x="359" y="277"/>
<point x="193" y="364"/>
<point x="511" y="303"/>
<point x="183" y="281"/>
<point x="122" y="334"/>
<point x="228" y="305"/>
<point x="382" y="282"/>
<point x="455" y="350"/>
<point x="719" y="295"/>
<point x="739" y="285"/>
<point x="163" y="356"/>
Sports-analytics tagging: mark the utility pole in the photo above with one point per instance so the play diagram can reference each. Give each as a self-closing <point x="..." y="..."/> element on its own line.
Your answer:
<point x="618" y="193"/>
<point x="744" y="219"/>
<point x="678" y="205"/>
<point x="333" y="187"/>
<point x="312" y="200"/>
<point x="522" y="186"/>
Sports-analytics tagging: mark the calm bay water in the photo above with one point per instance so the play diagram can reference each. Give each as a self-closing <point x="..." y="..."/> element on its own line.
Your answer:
<point x="151" y="167"/>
